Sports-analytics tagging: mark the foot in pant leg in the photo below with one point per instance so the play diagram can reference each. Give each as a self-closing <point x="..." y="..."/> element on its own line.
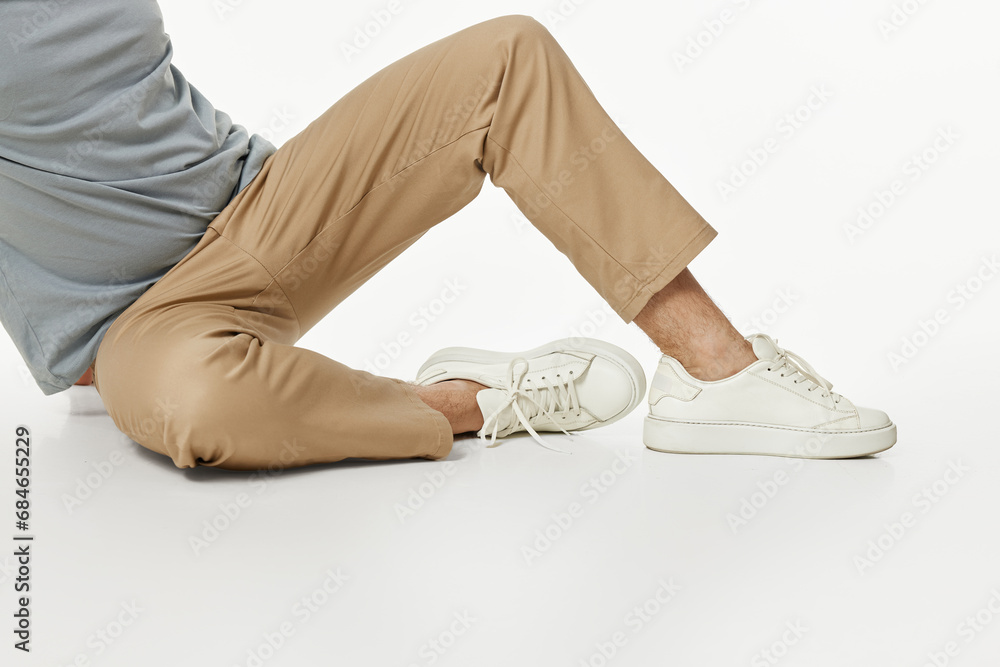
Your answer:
<point x="717" y="392"/>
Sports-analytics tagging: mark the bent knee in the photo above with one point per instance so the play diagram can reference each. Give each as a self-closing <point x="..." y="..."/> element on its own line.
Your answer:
<point x="181" y="430"/>
<point x="518" y="27"/>
<point x="178" y="408"/>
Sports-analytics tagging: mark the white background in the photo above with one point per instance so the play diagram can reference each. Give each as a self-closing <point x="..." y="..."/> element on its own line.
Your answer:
<point x="783" y="240"/>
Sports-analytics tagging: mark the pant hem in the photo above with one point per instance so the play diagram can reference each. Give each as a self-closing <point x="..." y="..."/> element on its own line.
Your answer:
<point x="673" y="267"/>
<point x="435" y="421"/>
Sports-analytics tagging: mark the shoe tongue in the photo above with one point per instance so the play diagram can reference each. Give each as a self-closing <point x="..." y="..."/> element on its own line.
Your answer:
<point x="764" y="348"/>
<point x="489" y="401"/>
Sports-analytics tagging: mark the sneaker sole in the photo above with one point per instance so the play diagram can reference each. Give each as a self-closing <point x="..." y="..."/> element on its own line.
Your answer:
<point x="627" y="363"/>
<point x="677" y="437"/>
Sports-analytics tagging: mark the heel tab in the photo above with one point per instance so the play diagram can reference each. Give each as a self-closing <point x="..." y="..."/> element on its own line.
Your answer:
<point x="667" y="383"/>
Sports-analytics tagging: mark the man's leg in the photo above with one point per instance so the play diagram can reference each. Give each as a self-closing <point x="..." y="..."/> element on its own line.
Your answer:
<point x="752" y="397"/>
<point x="409" y="147"/>
<point x="740" y="395"/>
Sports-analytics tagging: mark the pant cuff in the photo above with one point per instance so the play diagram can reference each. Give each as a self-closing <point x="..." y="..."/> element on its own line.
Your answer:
<point x="671" y="268"/>
<point x="434" y="429"/>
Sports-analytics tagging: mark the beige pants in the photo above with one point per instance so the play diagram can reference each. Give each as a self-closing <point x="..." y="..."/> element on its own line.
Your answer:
<point x="203" y="367"/>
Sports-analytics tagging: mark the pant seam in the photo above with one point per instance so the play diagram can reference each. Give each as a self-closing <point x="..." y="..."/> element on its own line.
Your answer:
<point x="274" y="275"/>
<point x="376" y="187"/>
<point x="273" y="281"/>
<point x="566" y="215"/>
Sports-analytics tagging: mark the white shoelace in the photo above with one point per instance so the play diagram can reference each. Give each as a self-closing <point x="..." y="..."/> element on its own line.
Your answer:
<point x="798" y="365"/>
<point x="527" y="400"/>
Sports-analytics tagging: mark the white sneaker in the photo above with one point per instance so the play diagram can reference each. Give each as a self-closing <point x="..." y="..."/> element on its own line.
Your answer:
<point x="777" y="406"/>
<point x="567" y="385"/>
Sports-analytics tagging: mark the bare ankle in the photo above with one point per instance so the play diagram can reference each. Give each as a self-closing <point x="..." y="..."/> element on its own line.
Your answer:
<point x="718" y="363"/>
<point x="686" y="324"/>
<point x="456" y="400"/>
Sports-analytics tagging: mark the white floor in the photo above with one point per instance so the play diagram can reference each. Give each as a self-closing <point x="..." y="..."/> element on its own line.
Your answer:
<point x="514" y="555"/>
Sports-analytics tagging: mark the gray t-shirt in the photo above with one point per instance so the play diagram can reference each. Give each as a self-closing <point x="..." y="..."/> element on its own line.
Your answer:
<point x="111" y="167"/>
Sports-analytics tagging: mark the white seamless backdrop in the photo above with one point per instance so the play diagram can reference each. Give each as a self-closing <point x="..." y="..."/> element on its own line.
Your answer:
<point x="847" y="154"/>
